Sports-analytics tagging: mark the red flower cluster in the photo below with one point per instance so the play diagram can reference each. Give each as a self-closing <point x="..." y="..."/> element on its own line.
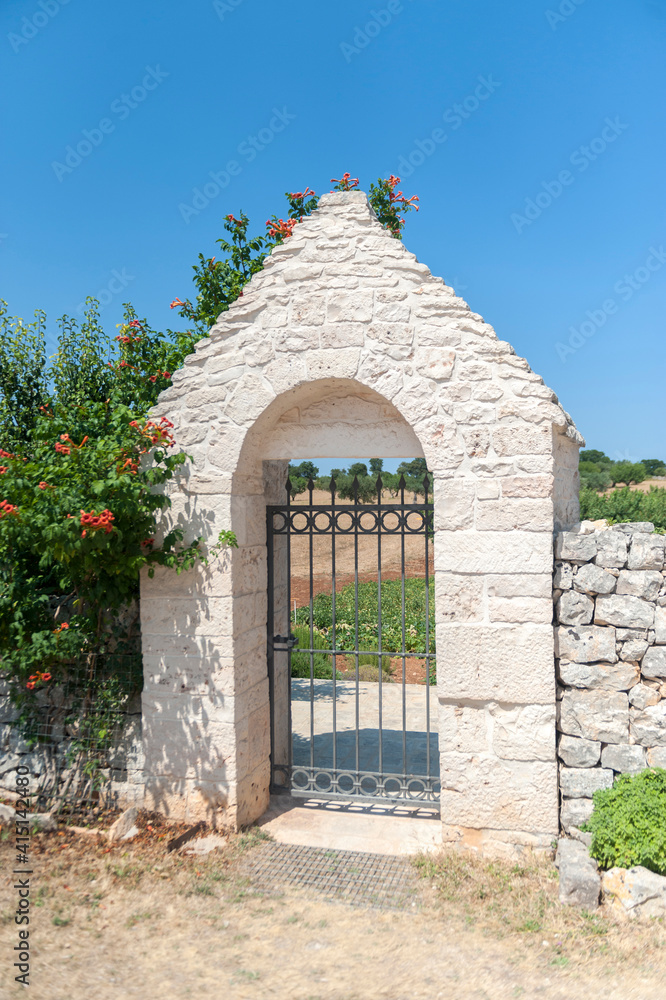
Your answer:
<point x="147" y="542"/>
<point x="65" y="625"/>
<point x="135" y="323"/>
<point x="44" y="486"/>
<point x="302" y="194"/>
<point x="153" y="378"/>
<point x="35" y="679"/>
<point x="7" y="508"/>
<point x="6" y="454"/>
<point x="65" y="449"/>
<point x="156" y="433"/>
<point x="3" y="468"/>
<point x="176" y="303"/>
<point x="283" y="227"/>
<point x="96" y="522"/>
<point x="236" y="222"/>
<point x="348" y="182"/>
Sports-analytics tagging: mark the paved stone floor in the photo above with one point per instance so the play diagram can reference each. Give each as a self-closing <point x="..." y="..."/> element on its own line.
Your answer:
<point x="370" y="827"/>
<point x="387" y="828"/>
<point x="312" y="725"/>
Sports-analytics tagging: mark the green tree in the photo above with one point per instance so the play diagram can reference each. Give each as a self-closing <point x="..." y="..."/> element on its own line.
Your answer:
<point x="654" y="467"/>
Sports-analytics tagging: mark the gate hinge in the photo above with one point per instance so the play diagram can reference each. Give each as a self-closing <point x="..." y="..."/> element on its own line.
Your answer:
<point x="287" y="642"/>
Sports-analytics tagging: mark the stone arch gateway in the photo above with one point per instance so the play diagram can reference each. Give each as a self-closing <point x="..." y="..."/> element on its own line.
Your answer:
<point x="346" y="345"/>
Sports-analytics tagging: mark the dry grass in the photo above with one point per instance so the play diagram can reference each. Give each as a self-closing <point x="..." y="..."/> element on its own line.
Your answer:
<point x="520" y="902"/>
<point x="124" y="921"/>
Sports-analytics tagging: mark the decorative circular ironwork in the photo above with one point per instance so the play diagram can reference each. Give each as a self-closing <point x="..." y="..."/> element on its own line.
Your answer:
<point x="367" y="520"/>
<point x="344" y="522"/>
<point x="319" y="516"/>
<point x="280" y="522"/>
<point x="391" y="521"/>
<point x="415" y="521"/>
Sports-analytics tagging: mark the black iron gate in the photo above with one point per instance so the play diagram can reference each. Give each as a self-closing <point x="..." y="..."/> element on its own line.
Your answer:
<point x="354" y="722"/>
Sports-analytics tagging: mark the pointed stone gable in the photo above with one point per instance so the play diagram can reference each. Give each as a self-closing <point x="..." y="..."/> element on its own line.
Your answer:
<point x="346" y="345"/>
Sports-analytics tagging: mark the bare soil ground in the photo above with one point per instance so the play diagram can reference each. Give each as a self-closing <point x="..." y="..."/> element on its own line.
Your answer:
<point x="391" y="556"/>
<point x="644" y="487"/>
<point x="133" y="921"/>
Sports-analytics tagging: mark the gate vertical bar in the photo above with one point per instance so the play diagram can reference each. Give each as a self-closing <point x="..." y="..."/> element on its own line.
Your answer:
<point x="270" y="632"/>
<point x="356" y="518"/>
<point x="403" y="528"/>
<point x="312" y="655"/>
<point x="379" y="618"/>
<point x="333" y="637"/>
<point x="427" y="517"/>
<point x="290" y="740"/>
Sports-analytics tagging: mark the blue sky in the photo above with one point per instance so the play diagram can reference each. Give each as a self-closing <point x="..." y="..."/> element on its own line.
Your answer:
<point x="542" y="193"/>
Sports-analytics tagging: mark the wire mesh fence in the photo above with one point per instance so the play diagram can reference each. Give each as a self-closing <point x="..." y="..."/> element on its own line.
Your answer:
<point x="78" y="732"/>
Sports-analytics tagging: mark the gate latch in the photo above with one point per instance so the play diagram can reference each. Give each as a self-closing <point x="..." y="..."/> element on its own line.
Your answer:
<point x="286" y="641"/>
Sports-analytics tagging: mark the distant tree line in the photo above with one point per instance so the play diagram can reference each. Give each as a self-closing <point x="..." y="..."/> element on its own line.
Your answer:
<point x="358" y="480"/>
<point x="599" y="472"/>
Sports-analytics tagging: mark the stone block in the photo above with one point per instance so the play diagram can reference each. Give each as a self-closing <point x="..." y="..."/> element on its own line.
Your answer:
<point x="646" y="552"/>
<point x="514" y="515"/>
<point x="520" y="585"/>
<point x="575" y="812"/>
<point x="604" y="676"/>
<point x="465" y="729"/>
<point x="458" y="598"/>
<point x="654" y="663"/>
<point x="455" y="505"/>
<point x="434" y="363"/>
<point x="574" y="547"/>
<point x="493" y="551"/>
<point x="587" y="644"/>
<point x="583" y="782"/>
<point x="576" y="752"/>
<point x="648" y="727"/>
<point x="595" y="715"/>
<point x="656" y="757"/>
<point x="624" y="758"/>
<point x="642" y="696"/>
<point x="660" y="626"/>
<point x="538" y="610"/>
<point x="563" y="576"/>
<point x="635" y="892"/>
<point x="612" y="549"/>
<point x="644" y="583"/>
<point x="523" y="732"/>
<point x="625" y="611"/>
<point x="527" y="486"/>
<point x="634" y="650"/>
<point x="580" y="882"/>
<point x="502" y="663"/>
<point x="592" y="579"/>
<point x="351" y="307"/>
<point x="574" y="608"/>
<point x="481" y="791"/>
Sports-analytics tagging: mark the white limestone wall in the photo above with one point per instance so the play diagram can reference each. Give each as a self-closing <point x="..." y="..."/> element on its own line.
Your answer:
<point x="344" y="345"/>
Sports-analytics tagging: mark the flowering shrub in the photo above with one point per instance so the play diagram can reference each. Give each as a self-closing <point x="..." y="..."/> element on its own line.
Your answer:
<point x="80" y="460"/>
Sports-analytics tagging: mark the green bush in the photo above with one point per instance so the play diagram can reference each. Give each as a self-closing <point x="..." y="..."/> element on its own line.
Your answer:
<point x="300" y="662"/>
<point x="628" y="825"/>
<point x="625" y="505"/>
<point x="391" y="593"/>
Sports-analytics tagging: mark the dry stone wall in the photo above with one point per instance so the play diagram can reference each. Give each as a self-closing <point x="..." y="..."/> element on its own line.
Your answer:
<point x="610" y="647"/>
